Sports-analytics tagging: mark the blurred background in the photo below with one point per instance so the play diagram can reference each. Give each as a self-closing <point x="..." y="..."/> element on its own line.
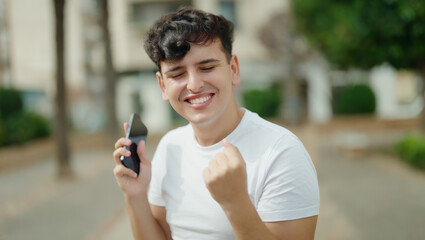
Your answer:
<point x="347" y="77"/>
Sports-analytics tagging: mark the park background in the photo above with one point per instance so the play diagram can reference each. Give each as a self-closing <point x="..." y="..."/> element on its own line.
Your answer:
<point x="346" y="77"/>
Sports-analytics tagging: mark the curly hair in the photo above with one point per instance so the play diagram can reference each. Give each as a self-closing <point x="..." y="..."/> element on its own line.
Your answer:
<point x="170" y="37"/>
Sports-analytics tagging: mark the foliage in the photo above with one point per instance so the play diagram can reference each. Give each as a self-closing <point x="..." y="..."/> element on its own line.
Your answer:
<point x="10" y="102"/>
<point x="355" y="99"/>
<point x="16" y="124"/>
<point x="265" y="102"/>
<point x="25" y="126"/>
<point x="412" y="150"/>
<point x="363" y="33"/>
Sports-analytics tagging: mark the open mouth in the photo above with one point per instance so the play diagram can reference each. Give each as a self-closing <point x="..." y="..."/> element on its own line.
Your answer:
<point x="199" y="99"/>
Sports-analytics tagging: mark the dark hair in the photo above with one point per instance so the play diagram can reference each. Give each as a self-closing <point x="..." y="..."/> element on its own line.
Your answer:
<point x="170" y="37"/>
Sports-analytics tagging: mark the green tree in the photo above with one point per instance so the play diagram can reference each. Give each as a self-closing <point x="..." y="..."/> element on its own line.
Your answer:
<point x="363" y="33"/>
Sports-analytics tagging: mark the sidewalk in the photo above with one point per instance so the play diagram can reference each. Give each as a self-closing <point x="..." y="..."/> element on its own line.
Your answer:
<point x="366" y="191"/>
<point x="366" y="194"/>
<point x="35" y="205"/>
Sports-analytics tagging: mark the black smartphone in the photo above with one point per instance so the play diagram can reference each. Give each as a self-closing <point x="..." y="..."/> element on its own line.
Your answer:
<point x="137" y="131"/>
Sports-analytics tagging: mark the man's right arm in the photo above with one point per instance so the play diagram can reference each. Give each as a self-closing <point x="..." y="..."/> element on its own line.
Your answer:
<point x="146" y="222"/>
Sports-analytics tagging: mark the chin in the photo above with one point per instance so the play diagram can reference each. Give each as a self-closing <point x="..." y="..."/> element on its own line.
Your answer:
<point x="205" y="120"/>
<point x="207" y="117"/>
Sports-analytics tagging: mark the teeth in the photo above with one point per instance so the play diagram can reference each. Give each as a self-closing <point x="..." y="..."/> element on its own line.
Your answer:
<point x="200" y="100"/>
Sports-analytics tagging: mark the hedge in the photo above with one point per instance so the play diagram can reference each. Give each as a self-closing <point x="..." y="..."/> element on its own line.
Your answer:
<point x="355" y="99"/>
<point x="265" y="102"/>
<point x="16" y="124"/>
<point x="10" y="102"/>
<point x="412" y="150"/>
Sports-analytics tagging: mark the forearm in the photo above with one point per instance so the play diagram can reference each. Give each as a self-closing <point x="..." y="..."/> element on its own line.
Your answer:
<point x="246" y="223"/>
<point x="143" y="223"/>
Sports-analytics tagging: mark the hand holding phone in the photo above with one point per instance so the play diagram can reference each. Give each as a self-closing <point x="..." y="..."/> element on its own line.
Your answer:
<point x="136" y="132"/>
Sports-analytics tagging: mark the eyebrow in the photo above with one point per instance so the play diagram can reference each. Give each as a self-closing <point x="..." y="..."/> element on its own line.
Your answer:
<point x="173" y="69"/>
<point x="209" y="60"/>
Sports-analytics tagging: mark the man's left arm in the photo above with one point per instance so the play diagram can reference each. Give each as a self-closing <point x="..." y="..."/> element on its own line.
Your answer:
<point x="247" y="224"/>
<point x="226" y="179"/>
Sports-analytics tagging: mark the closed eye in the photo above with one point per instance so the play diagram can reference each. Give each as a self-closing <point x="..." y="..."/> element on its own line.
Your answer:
<point x="208" y="68"/>
<point x="177" y="75"/>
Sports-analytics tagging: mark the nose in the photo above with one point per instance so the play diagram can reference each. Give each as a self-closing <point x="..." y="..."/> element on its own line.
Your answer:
<point x="194" y="82"/>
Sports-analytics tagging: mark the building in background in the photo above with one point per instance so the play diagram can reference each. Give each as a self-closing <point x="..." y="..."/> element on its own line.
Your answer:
<point x="31" y="45"/>
<point x="5" y="73"/>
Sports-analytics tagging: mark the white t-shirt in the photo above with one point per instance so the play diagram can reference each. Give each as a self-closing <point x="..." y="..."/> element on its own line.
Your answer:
<point x="282" y="180"/>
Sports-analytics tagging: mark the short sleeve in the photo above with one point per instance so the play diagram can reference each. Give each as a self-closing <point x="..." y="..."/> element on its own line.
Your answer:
<point x="291" y="188"/>
<point x="158" y="172"/>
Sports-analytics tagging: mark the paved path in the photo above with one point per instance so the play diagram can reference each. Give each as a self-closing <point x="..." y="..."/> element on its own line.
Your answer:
<point x="367" y="195"/>
<point x="35" y="206"/>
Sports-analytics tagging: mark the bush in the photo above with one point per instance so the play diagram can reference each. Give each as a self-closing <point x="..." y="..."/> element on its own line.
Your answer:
<point x="17" y="125"/>
<point x="355" y="99"/>
<point x="10" y="102"/>
<point x="25" y="126"/>
<point x="264" y="102"/>
<point x="412" y="150"/>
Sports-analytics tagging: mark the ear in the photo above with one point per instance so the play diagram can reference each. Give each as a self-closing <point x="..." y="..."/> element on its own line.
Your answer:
<point x="234" y="67"/>
<point x="162" y="86"/>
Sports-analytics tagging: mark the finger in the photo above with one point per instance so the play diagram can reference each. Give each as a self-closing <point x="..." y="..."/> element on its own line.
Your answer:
<point x="122" y="142"/>
<point x="220" y="161"/>
<point x="230" y="148"/>
<point x="120" y="152"/>
<point x="207" y="175"/>
<point x="126" y="124"/>
<point x="213" y="167"/>
<point x="226" y="143"/>
<point x="233" y="154"/>
<point x="121" y="171"/>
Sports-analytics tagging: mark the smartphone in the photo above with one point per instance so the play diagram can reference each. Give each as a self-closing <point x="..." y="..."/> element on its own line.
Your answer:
<point x="136" y="132"/>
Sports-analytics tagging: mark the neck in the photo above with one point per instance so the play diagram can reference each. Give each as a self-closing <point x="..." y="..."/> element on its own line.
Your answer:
<point x="213" y="133"/>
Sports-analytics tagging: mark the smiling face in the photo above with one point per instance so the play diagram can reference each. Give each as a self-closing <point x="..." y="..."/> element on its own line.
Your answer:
<point x="200" y="86"/>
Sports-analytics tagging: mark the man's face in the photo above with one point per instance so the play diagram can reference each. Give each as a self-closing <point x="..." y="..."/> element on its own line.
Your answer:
<point x="199" y="86"/>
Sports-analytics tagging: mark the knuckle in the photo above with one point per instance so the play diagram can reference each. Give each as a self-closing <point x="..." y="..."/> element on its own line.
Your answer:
<point x="210" y="182"/>
<point x="236" y="166"/>
<point x="117" y="153"/>
<point x="219" y="155"/>
<point x="116" y="170"/>
<point x="240" y="167"/>
<point x="119" y="168"/>
<point x="120" y="143"/>
<point x="212" y="163"/>
<point x="122" y="151"/>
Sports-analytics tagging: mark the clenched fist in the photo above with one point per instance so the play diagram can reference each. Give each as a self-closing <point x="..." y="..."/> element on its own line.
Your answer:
<point x="226" y="177"/>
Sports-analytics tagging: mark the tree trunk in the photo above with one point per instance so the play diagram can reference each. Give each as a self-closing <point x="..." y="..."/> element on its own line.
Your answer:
<point x="292" y="101"/>
<point x="110" y="75"/>
<point x="292" y="89"/>
<point x="61" y="130"/>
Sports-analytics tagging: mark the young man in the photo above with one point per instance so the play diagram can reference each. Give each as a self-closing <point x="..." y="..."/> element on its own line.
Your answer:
<point x="228" y="174"/>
